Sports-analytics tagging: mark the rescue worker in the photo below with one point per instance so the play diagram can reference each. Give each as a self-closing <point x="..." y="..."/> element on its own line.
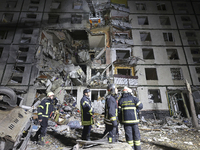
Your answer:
<point x="45" y="111"/>
<point x="86" y="114"/>
<point x="110" y="118"/>
<point x="129" y="106"/>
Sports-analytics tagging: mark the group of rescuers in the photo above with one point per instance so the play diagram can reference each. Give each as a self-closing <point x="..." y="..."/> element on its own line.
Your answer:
<point x="122" y="109"/>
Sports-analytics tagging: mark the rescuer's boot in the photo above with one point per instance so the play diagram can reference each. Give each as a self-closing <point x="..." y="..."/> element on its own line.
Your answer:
<point x="41" y="141"/>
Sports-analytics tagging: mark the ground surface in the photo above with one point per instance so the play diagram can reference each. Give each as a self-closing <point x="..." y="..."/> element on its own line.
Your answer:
<point x="161" y="139"/>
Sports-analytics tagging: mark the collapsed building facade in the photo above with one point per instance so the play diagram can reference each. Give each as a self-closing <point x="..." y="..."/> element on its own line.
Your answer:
<point x="67" y="46"/>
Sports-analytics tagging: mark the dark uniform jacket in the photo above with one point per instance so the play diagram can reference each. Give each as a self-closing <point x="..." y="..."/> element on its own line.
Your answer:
<point x="86" y="111"/>
<point x="129" y="106"/>
<point x="45" y="109"/>
<point x="111" y="111"/>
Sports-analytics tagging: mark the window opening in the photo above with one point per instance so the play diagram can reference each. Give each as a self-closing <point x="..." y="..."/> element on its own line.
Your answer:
<point x="35" y="1"/>
<point x="126" y="72"/>
<point x="195" y="51"/>
<point x="172" y="54"/>
<point x="16" y="79"/>
<point x="145" y="36"/>
<point x="164" y="20"/>
<point x="3" y="34"/>
<point x="18" y="69"/>
<point x="53" y="18"/>
<point x="7" y="17"/>
<point x="122" y="54"/>
<point x="148" y="53"/>
<point x="151" y="74"/>
<point x="33" y="8"/>
<point x="154" y="96"/>
<point x="192" y="42"/>
<point x="140" y="6"/>
<point x="143" y="20"/>
<point x="161" y="6"/>
<point x="176" y="74"/>
<point x="21" y="59"/>
<point x="32" y="16"/>
<point x="25" y="40"/>
<point x="11" y="4"/>
<point x="28" y="31"/>
<point x="76" y="19"/>
<point x="168" y="37"/>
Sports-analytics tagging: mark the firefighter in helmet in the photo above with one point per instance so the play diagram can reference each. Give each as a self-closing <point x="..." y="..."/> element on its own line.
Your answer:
<point x="86" y="114"/>
<point x="129" y="106"/>
<point x="110" y="118"/>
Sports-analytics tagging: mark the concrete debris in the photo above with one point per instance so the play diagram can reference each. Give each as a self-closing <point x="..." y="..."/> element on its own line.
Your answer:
<point x="121" y="24"/>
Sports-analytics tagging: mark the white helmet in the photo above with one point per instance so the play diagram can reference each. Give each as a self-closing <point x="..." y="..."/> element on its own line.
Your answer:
<point x="50" y="94"/>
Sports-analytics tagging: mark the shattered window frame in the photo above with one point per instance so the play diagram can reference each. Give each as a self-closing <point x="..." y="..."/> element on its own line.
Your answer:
<point x="151" y="74"/>
<point x="145" y="36"/>
<point x="98" y="95"/>
<point x="3" y="34"/>
<point x="18" y="69"/>
<point x="187" y="25"/>
<point x="33" y="8"/>
<point x="161" y="6"/>
<point x="148" y="53"/>
<point x="196" y="59"/>
<point x="176" y="73"/>
<point x="143" y="20"/>
<point x="185" y="18"/>
<point x="127" y="54"/>
<point x="7" y="17"/>
<point x="165" y="20"/>
<point x="155" y="96"/>
<point x="192" y="42"/>
<point x="190" y="34"/>
<point x="197" y="70"/>
<point x="16" y="80"/>
<point x="125" y="68"/>
<point x="53" y="18"/>
<point x="34" y="1"/>
<point x="76" y="19"/>
<point x="140" y="6"/>
<point x="1" y="51"/>
<point x="172" y="54"/>
<point x="11" y="4"/>
<point x="195" y="51"/>
<point x="168" y="37"/>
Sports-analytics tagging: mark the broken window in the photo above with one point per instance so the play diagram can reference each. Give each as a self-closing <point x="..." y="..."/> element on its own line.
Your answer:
<point x="154" y="96"/>
<point x="35" y="1"/>
<point x="21" y="59"/>
<point x="195" y="51"/>
<point x="145" y="36"/>
<point x="25" y="40"/>
<point x="76" y="19"/>
<point x="181" y="4"/>
<point x="151" y="74"/>
<point x="95" y="71"/>
<point x="77" y="4"/>
<point x="185" y="18"/>
<point x="197" y="70"/>
<point x="16" y="79"/>
<point x="161" y="6"/>
<point x="18" y="69"/>
<point x="140" y="6"/>
<point x="164" y="20"/>
<point x="143" y="20"/>
<point x="53" y="18"/>
<point x="23" y="49"/>
<point x="172" y="54"/>
<point x="29" y="23"/>
<point x="187" y="25"/>
<point x="168" y="37"/>
<point x="11" y="4"/>
<point x="122" y="35"/>
<point x="183" y="11"/>
<point x="3" y="34"/>
<point x="55" y="5"/>
<point x="7" y="17"/>
<point x="176" y="73"/>
<point x="32" y="16"/>
<point x="28" y="31"/>
<point x="33" y="8"/>
<point x="97" y="94"/>
<point x="196" y="59"/>
<point x="1" y="51"/>
<point x="72" y="93"/>
<point x="192" y="42"/>
<point x="190" y="34"/>
<point x="126" y="72"/>
<point x="122" y="54"/>
<point x="148" y="53"/>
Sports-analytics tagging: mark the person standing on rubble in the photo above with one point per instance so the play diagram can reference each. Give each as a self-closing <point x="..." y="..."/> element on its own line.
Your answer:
<point x="129" y="106"/>
<point x="110" y="118"/>
<point x="45" y="111"/>
<point x="86" y="114"/>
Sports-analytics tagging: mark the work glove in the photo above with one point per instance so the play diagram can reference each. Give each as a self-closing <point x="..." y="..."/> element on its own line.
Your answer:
<point x="114" y="123"/>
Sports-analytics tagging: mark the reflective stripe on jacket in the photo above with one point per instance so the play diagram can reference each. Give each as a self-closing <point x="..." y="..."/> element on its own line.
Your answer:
<point x="111" y="111"/>
<point x="86" y="111"/>
<point x="129" y="106"/>
<point x="45" y="108"/>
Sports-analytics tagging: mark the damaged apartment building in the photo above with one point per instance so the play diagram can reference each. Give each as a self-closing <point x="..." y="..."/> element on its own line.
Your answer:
<point x="66" y="46"/>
